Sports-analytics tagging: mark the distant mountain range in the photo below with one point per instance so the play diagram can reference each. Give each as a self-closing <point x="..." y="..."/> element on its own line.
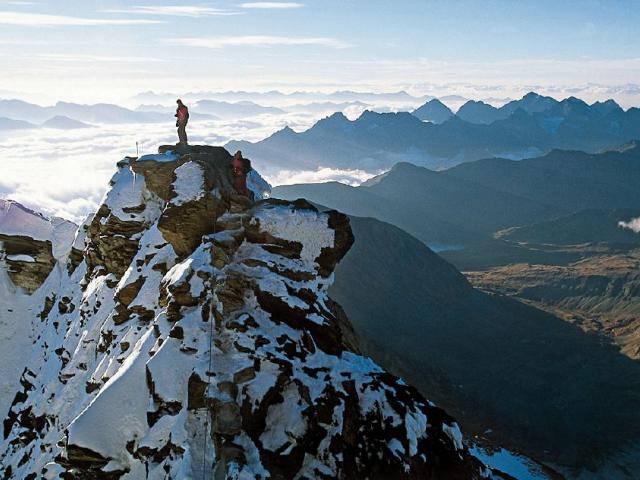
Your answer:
<point x="234" y="110"/>
<point x="468" y="203"/>
<point x="213" y="109"/>
<point x="299" y="96"/>
<point x="58" y="122"/>
<point x="98" y="113"/>
<point x="480" y="112"/>
<point x="522" y="128"/>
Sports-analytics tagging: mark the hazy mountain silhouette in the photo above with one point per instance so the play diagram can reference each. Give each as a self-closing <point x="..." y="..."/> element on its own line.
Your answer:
<point x="64" y="123"/>
<point x="10" y="124"/>
<point x="234" y="110"/>
<point x="98" y="113"/>
<point x="275" y="95"/>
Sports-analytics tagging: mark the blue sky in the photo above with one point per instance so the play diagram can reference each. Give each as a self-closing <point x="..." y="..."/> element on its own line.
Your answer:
<point x="90" y="50"/>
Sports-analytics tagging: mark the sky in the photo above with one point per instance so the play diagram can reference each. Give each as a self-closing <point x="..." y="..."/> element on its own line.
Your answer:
<point x="109" y="50"/>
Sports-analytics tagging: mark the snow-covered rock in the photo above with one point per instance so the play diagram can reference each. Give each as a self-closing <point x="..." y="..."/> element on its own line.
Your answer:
<point x="191" y="336"/>
<point x="31" y="244"/>
<point x="33" y="252"/>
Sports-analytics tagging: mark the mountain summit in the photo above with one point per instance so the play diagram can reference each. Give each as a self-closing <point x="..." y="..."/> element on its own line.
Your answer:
<point x="191" y="335"/>
<point x="433" y="111"/>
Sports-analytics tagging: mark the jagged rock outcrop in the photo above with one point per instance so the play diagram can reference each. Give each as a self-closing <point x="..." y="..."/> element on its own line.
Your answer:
<point x="194" y="338"/>
<point x="30" y="244"/>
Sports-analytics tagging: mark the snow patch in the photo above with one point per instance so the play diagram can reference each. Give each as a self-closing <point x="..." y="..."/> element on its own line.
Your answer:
<point x="21" y="258"/>
<point x="285" y="422"/>
<point x="189" y="183"/>
<point x="395" y="447"/>
<point x="258" y="185"/>
<point x="119" y="412"/>
<point x="510" y="463"/>
<point x="454" y="433"/>
<point x="167" y="156"/>
<point x="309" y="228"/>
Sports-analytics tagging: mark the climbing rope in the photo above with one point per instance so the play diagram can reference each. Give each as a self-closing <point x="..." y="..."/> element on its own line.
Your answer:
<point x="206" y="424"/>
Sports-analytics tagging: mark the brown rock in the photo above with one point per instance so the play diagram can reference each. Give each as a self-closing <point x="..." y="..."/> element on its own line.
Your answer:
<point x="28" y="275"/>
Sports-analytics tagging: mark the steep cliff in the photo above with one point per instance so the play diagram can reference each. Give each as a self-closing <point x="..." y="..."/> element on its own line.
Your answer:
<point x="190" y="335"/>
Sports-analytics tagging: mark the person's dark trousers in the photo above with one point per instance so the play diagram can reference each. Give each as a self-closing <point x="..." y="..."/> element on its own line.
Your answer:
<point x="182" y="133"/>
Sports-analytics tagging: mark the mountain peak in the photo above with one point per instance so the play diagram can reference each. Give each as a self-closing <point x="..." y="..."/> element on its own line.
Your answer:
<point x="477" y="111"/>
<point x="574" y="101"/>
<point x="434" y="101"/>
<point x="433" y="111"/>
<point x="368" y="114"/>
<point x="63" y="122"/>
<point x="606" y="107"/>
<point x="193" y="330"/>
<point x="337" y="117"/>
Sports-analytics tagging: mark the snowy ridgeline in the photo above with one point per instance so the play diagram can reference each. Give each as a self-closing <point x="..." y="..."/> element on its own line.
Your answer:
<point x="189" y="328"/>
<point x="30" y="244"/>
<point x="17" y="220"/>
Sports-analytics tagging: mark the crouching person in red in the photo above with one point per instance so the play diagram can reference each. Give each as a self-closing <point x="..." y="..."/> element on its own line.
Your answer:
<point x="241" y="167"/>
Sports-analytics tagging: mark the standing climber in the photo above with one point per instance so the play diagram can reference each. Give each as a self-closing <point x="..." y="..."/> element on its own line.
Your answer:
<point x="182" y="115"/>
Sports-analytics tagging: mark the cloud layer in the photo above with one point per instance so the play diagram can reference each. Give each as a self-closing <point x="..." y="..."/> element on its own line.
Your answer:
<point x="65" y="173"/>
<point x="23" y="19"/>
<point x="271" y="5"/>
<point x="256" y="41"/>
<point x="175" y="11"/>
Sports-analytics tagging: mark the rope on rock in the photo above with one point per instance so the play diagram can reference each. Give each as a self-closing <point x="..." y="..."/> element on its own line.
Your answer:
<point x="206" y="424"/>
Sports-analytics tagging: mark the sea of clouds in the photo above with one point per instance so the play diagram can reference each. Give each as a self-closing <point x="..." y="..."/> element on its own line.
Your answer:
<point x="66" y="172"/>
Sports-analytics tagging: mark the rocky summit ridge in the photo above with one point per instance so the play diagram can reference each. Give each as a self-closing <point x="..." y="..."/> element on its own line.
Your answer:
<point x="190" y="335"/>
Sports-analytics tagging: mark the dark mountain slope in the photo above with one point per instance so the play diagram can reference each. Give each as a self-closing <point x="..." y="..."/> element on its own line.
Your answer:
<point x="586" y="226"/>
<point x="458" y="201"/>
<point x="362" y="202"/>
<point x="430" y="205"/>
<point x="542" y="385"/>
<point x="566" y="180"/>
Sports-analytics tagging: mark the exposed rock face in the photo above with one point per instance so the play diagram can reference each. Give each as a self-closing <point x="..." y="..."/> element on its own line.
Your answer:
<point x="195" y="338"/>
<point x="30" y="244"/>
<point x="29" y="261"/>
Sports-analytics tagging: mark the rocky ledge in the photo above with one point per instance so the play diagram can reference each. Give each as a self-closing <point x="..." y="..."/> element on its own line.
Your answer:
<point x="194" y="338"/>
<point x="31" y="245"/>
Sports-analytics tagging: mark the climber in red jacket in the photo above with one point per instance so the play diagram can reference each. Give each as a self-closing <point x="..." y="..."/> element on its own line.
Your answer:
<point x="182" y="115"/>
<point x="241" y="167"/>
